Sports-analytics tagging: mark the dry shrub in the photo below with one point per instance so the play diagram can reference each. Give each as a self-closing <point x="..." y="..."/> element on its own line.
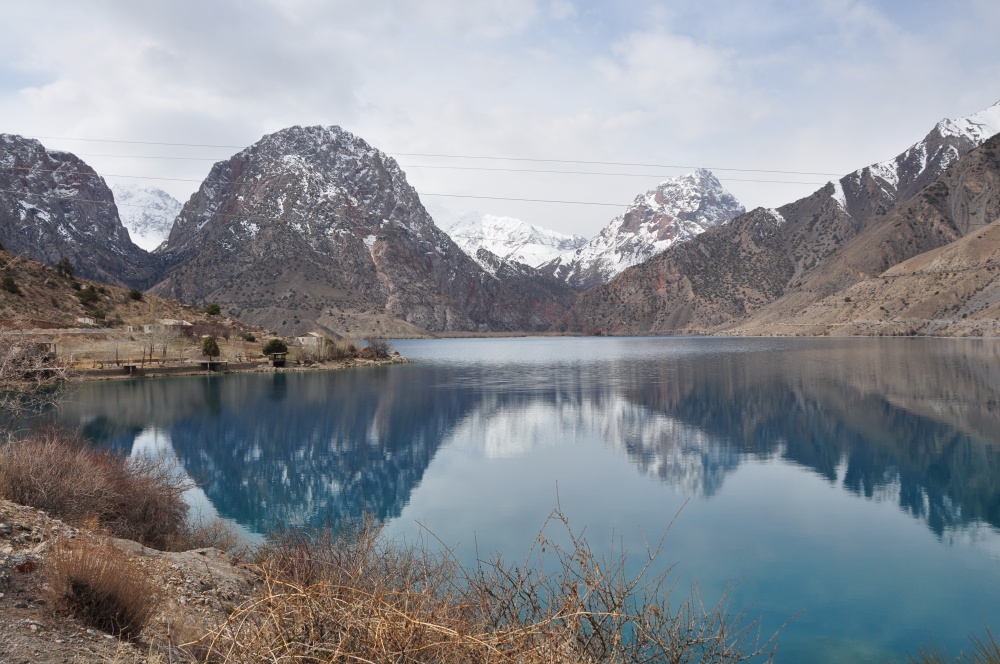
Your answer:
<point x="591" y="608"/>
<point x="217" y="534"/>
<point x="342" y="349"/>
<point x="984" y="651"/>
<point x="376" y="347"/>
<point x="29" y="375"/>
<point x="100" y="584"/>
<point x="358" y="597"/>
<point x="133" y="498"/>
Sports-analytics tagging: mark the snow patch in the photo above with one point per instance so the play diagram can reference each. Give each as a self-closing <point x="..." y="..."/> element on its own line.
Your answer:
<point x="511" y="239"/>
<point x="838" y="195"/>
<point x="147" y="213"/>
<point x="977" y="127"/>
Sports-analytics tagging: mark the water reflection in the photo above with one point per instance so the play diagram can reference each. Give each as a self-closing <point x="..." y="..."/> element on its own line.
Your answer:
<point x="909" y="422"/>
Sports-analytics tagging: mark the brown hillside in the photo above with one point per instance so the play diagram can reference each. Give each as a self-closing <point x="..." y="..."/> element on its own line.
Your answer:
<point x="950" y="291"/>
<point x="722" y="275"/>
<point x="845" y="232"/>
<point x="35" y="298"/>
<point x="48" y="300"/>
<point x="962" y="200"/>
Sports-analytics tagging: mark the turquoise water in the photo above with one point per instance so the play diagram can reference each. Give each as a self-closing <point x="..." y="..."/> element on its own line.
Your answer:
<point x="854" y="484"/>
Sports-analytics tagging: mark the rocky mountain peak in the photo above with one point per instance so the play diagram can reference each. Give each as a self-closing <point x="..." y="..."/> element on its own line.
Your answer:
<point x="327" y="168"/>
<point x="312" y="226"/>
<point x="876" y="189"/>
<point x="848" y="230"/>
<point x="678" y="209"/>
<point x="53" y="205"/>
<point x="976" y="127"/>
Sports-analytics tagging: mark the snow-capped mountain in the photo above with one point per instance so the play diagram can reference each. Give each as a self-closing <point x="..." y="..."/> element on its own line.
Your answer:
<point x="876" y="189"/>
<point x="768" y="265"/>
<point x="314" y="226"/>
<point x="147" y="212"/>
<point x="677" y="210"/>
<point x="511" y="239"/>
<point x="53" y="205"/>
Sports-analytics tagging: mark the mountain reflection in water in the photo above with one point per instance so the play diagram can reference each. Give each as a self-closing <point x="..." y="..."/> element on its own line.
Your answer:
<point x="914" y="422"/>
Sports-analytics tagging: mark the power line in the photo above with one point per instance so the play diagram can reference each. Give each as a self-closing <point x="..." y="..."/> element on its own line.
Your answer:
<point x="111" y="140"/>
<point x="73" y="199"/>
<point x="631" y="175"/>
<point x="460" y="156"/>
<point x="474" y="168"/>
<point x="248" y="216"/>
<point x="610" y="163"/>
<point x="525" y="200"/>
<point x="502" y="170"/>
<point x="31" y="169"/>
<point x="142" y="156"/>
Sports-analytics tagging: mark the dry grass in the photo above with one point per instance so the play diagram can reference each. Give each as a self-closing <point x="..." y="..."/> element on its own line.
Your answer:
<point x="356" y="597"/>
<point x="984" y="651"/>
<point x="132" y="498"/>
<point x="215" y="533"/>
<point x="100" y="584"/>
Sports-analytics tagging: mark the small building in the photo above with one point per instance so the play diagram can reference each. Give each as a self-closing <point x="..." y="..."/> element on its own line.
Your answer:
<point x="311" y="341"/>
<point x="86" y="320"/>
<point x="172" y="326"/>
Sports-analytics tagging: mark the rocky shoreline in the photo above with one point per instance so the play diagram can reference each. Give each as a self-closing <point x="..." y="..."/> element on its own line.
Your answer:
<point x="196" y="590"/>
<point x="154" y="370"/>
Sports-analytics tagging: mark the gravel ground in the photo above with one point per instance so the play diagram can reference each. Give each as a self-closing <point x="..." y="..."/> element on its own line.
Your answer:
<point x="197" y="590"/>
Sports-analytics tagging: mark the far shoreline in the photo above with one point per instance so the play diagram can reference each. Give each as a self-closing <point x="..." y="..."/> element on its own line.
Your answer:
<point x="154" y="370"/>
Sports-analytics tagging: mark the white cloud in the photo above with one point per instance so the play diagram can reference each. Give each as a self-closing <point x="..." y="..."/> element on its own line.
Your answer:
<point x="826" y="85"/>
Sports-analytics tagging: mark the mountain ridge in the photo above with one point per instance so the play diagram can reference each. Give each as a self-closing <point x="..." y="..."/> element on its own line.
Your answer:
<point x="511" y="239"/>
<point x="809" y="230"/>
<point x="676" y="210"/>
<point x="328" y="230"/>
<point x="53" y="206"/>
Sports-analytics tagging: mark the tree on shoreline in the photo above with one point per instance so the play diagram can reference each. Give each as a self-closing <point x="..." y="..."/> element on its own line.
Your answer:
<point x="210" y="347"/>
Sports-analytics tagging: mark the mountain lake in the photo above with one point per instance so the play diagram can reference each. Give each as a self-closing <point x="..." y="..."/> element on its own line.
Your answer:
<point x="850" y="485"/>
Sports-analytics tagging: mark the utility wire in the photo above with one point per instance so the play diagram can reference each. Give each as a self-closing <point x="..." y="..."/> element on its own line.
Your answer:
<point x="493" y="169"/>
<point x="111" y="140"/>
<point x="491" y="198"/>
<point x="609" y="163"/>
<point x="631" y="175"/>
<point x="525" y="200"/>
<point x="473" y="168"/>
<point x="460" y="156"/>
<point x="142" y="156"/>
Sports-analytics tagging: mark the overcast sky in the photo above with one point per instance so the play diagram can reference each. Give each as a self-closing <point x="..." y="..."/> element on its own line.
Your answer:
<point x="821" y="86"/>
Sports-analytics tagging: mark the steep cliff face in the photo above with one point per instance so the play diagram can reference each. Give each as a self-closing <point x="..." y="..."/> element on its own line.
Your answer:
<point x="926" y="267"/>
<point x="814" y="233"/>
<point x="53" y="205"/>
<point x="311" y="225"/>
<point x="677" y="210"/>
<point x="821" y="223"/>
<point x="540" y="294"/>
<point x="696" y="286"/>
